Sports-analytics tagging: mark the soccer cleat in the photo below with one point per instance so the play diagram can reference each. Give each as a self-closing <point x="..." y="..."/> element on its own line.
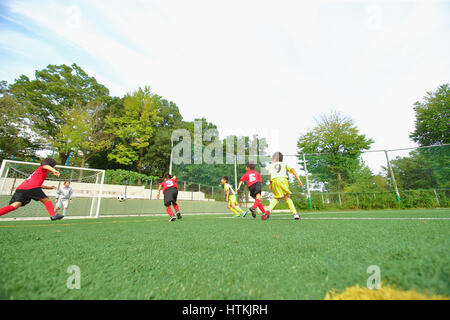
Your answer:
<point x="244" y="214"/>
<point x="253" y="211"/>
<point x="266" y="215"/>
<point x="296" y="217"/>
<point x="172" y="218"/>
<point x="179" y="215"/>
<point x="56" y="217"/>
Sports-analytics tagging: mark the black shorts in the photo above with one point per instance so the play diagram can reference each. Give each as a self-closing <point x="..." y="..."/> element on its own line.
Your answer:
<point x="25" y="196"/>
<point x="170" y="196"/>
<point x="255" y="189"/>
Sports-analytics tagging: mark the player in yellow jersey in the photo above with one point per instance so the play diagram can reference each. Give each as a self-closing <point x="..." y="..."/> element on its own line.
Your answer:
<point x="279" y="184"/>
<point x="231" y="198"/>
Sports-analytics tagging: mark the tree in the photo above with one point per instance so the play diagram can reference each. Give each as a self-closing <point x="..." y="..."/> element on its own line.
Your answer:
<point x="432" y="118"/>
<point x="135" y="127"/>
<point x="363" y="180"/>
<point x="423" y="169"/>
<point x="339" y="143"/>
<point x="157" y="157"/>
<point x="54" y="90"/>
<point x="16" y="138"/>
<point x="84" y="131"/>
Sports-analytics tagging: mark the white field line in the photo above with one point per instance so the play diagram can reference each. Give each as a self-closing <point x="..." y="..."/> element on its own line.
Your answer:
<point x="106" y="216"/>
<point x="278" y="214"/>
<point x="377" y="218"/>
<point x="353" y="218"/>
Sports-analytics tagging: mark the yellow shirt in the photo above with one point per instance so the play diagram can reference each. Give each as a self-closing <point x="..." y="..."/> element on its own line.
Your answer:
<point x="228" y="187"/>
<point x="279" y="170"/>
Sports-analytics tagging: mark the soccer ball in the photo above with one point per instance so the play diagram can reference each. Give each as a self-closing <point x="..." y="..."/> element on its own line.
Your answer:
<point x="121" y="197"/>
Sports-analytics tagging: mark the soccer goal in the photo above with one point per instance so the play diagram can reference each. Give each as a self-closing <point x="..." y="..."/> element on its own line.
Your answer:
<point x="86" y="184"/>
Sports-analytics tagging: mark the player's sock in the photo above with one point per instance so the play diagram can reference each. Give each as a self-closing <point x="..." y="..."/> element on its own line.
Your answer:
<point x="64" y="211"/>
<point x="261" y="207"/>
<point x="238" y="209"/>
<point x="291" y="206"/>
<point x="235" y="212"/>
<point x="175" y="206"/>
<point x="256" y="204"/>
<point x="169" y="211"/>
<point x="49" y="206"/>
<point x="272" y="204"/>
<point x="6" y="209"/>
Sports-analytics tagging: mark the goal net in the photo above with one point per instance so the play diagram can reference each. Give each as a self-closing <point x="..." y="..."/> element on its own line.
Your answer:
<point x="86" y="184"/>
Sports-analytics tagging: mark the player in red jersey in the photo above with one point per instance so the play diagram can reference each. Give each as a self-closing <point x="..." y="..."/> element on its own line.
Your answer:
<point x="170" y="190"/>
<point x="254" y="184"/>
<point x="32" y="187"/>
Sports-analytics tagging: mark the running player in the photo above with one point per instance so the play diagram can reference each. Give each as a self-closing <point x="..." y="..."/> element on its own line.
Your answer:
<point x="230" y="197"/>
<point x="32" y="187"/>
<point x="254" y="182"/>
<point x="170" y="191"/>
<point x="64" y="197"/>
<point x="279" y="184"/>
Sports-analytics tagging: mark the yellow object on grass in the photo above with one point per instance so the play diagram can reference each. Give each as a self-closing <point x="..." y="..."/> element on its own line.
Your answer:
<point x="384" y="293"/>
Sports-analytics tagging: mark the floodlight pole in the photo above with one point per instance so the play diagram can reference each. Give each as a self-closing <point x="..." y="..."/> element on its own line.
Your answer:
<point x="235" y="172"/>
<point x="397" y="194"/>
<point x="171" y="152"/>
<point x="307" y="182"/>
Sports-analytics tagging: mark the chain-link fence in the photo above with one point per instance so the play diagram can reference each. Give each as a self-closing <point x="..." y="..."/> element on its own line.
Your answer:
<point x="401" y="178"/>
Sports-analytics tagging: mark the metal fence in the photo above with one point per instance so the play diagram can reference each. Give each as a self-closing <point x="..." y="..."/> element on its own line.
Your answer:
<point x="406" y="178"/>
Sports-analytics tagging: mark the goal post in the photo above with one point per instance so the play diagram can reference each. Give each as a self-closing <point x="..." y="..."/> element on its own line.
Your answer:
<point x="86" y="183"/>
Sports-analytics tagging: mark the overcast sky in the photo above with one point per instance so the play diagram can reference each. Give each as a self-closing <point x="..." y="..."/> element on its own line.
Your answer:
<point x="267" y="67"/>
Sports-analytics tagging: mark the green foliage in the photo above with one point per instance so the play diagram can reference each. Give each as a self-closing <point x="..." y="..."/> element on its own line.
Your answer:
<point x="425" y="168"/>
<point x="84" y="131"/>
<point x="157" y="157"/>
<point x="16" y="138"/>
<point x="339" y="144"/>
<point x="55" y="90"/>
<point x="432" y="118"/>
<point x="127" y="177"/>
<point x="211" y="174"/>
<point x="134" y="127"/>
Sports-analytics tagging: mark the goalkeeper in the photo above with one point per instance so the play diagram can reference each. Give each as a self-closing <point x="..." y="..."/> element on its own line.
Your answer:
<point x="64" y="197"/>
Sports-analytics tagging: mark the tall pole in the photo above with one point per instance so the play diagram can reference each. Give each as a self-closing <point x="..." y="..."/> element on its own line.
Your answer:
<point x="68" y="160"/>
<point x="397" y="194"/>
<point x="171" y="151"/>
<point x="307" y="182"/>
<point x="235" y="172"/>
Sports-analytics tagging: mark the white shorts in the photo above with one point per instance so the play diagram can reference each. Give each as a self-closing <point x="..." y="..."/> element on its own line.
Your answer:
<point x="62" y="203"/>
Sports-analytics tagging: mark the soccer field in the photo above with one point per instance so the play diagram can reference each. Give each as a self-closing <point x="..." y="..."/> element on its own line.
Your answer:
<point x="217" y="257"/>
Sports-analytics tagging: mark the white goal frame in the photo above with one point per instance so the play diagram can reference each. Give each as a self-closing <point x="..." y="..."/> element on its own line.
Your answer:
<point x="100" y="179"/>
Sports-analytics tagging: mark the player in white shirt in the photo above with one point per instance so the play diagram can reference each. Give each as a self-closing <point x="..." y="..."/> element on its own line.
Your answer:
<point x="64" y="197"/>
<point x="279" y="184"/>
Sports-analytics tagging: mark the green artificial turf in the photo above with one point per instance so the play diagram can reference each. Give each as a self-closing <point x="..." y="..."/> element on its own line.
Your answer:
<point x="215" y="257"/>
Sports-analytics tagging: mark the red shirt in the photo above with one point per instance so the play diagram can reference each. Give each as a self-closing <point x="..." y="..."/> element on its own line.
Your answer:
<point x="251" y="176"/>
<point x="169" y="183"/>
<point x="35" y="180"/>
